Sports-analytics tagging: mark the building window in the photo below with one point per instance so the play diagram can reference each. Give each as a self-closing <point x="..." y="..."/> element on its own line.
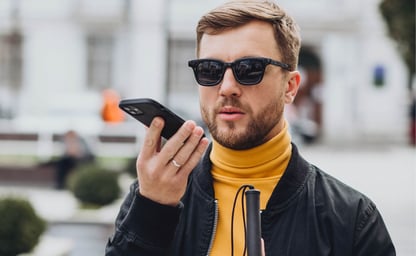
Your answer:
<point x="11" y="60"/>
<point x="100" y="61"/>
<point x="182" y="95"/>
<point x="180" y="76"/>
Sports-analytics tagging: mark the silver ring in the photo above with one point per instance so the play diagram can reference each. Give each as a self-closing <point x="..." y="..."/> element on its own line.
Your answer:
<point x="176" y="163"/>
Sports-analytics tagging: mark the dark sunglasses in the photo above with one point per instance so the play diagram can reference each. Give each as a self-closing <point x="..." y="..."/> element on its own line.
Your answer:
<point x="247" y="71"/>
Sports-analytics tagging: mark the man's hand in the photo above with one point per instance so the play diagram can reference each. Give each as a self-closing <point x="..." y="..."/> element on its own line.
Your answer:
<point x="163" y="173"/>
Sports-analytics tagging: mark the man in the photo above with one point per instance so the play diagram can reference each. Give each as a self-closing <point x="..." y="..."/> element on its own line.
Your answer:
<point x="246" y="68"/>
<point x="75" y="152"/>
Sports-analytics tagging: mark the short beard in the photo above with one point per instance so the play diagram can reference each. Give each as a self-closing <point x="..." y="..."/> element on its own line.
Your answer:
<point x="256" y="131"/>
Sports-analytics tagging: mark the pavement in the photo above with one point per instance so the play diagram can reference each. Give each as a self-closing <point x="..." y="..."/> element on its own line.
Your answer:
<point x="72" y="230"/>
<point x="385" y="173"/>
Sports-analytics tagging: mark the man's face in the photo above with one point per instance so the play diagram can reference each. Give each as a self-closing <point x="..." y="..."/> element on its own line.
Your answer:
<point x="239" y="116"/>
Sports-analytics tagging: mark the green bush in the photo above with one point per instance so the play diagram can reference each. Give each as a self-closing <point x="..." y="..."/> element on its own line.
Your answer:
<point x="20" y="226"/>
<point x="93" y="185"/>
<point x="130" y="167"/>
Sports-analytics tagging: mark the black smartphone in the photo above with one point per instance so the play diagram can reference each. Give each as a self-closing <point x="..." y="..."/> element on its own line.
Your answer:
<point x="145" y="109"/>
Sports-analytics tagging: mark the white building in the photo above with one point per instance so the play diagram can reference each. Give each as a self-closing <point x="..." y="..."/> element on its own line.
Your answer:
<point x="56" y="57"/>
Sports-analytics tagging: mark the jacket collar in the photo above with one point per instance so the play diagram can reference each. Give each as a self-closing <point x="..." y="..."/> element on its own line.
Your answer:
<point x="292" y="181"/>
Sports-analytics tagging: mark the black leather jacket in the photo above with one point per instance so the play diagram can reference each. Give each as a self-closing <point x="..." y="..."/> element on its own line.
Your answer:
<point x="309" y="213"/>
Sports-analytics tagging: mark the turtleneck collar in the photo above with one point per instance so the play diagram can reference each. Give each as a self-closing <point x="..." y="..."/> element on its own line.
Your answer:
<point x="266" y="160"/>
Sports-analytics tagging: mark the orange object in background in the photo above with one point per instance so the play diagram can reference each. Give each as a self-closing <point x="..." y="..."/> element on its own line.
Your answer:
<point x="110" y="111"/>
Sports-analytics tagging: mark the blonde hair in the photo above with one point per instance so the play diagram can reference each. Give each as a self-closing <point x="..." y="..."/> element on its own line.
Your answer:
<point x="240" y="12"/>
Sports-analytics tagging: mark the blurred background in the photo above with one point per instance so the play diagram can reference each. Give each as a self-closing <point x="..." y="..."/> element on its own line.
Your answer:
<point x="65" y="64"/>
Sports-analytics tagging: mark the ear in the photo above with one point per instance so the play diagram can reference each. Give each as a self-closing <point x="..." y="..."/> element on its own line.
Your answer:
<point x="292" y="86"/>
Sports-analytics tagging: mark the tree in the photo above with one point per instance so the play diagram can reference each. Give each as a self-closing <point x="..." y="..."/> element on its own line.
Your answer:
<point x="399" y="16"/>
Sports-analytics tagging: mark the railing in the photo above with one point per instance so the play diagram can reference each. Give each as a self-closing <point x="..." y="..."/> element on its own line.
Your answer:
<point x="121" y="140"/>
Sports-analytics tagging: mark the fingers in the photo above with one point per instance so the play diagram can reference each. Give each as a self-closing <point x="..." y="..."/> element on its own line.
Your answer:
<point x="181" y="146"/>
<point x="191" y="151"/>
<point x="163" y="174"/>
<point x="186" y="141"/>
<point x="151" y="143"/>
<point x="195" y="157"/>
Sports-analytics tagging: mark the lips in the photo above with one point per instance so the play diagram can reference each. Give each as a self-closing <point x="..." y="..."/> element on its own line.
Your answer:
<point x="229" y="113"/>
<point x="230" y="110"/>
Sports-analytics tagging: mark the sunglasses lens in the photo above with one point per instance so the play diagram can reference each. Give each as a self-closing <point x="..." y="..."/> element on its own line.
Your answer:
<point x="209" y="72"/>
<point x="249" y="71"/>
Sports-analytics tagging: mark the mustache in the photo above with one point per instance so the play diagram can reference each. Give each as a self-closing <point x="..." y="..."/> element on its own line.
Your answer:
<point x="229" y="102"/>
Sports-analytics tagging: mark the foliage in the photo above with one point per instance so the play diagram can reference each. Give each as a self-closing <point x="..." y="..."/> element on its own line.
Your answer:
<point x="20" y="226"/>
<point x="130" y="167"/>
<point x="399" y="16"/>
<point x="94" y="185"/>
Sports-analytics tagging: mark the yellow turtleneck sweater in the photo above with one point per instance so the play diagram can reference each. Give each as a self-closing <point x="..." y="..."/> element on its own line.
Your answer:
<point x="262" y="167"/>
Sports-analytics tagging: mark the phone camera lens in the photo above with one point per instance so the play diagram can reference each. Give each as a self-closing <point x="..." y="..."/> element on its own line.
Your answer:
<point x="135" y="111"/>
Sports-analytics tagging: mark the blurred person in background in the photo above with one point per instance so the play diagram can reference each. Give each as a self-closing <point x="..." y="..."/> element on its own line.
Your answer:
<point x="110" y="111"/>
<point x="308" y="102"/>
<point x="75" y="152"/>
<point x="412" y="114"/>
<point x="182" y="202"/>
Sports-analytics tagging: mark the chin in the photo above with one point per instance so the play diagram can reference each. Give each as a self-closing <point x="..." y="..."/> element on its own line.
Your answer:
<point x="231" y="138"/>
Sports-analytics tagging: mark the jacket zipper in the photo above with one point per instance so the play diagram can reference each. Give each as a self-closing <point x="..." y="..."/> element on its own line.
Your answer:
<point x="214" y="228"/>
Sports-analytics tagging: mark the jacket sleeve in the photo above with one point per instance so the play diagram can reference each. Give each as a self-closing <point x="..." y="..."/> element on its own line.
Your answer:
<point x="143" y="227"/>
<point x="371" y="235"/>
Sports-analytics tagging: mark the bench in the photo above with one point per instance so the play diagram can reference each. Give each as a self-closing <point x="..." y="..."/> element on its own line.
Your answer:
<point x="36" y="175"/>
<point x="121" y="140"/>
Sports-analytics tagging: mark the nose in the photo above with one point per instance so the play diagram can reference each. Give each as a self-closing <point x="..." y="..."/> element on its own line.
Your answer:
<point x="229" y="85"/>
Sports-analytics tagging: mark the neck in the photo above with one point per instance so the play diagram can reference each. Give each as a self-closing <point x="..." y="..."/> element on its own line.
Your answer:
<point x="262" y="161"/>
